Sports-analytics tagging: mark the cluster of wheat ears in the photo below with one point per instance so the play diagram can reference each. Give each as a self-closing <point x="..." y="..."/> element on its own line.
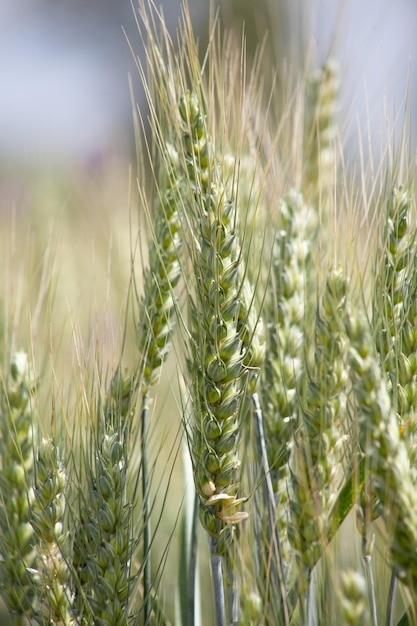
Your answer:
<point x="287" y="287"/>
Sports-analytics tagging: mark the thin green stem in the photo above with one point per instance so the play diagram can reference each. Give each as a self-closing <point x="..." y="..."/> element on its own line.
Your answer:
<point x="147" y="531"/>
<point x="393" y="587"/>
<point x="371" y="588"/>
<point x="232" y="592"/>
<point x="270" y="499"/>
<point x="192" y="565"/>
<point x="217" y="574"/>
<point x="160" y="617"/>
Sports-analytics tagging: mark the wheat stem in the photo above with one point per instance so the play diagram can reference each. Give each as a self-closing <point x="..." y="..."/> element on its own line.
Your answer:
<point x="371" y="588"/>
<point x="277" y="566"/>
<point x="392" y="595"/>
<point x="217" y="573"/>
<point x="192" y="565"/>
<point x="147" y="530"/>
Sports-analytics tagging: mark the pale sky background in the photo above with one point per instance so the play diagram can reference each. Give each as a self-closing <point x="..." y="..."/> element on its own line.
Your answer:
<point x="64" y="65"/>
<point x="377" y="48"/>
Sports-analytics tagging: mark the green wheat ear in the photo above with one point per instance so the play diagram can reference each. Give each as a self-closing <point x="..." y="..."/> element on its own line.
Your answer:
<point x="316" y="454"/>
<point x="157" y="306"/>
<point x="103" y="536"/>
<point x="216" y="364"/>
<point x="17" y="538"/>
<point x="102" y="547"/>
<point x="321" y="130"/>
<point x="394" y="312"/>
<point x="385" y="452"/>
<point x="47" y="518"/>
<point x="285" y="312"/>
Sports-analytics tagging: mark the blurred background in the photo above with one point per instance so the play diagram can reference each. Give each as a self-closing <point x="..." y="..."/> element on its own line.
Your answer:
<point x="64" y="66"/>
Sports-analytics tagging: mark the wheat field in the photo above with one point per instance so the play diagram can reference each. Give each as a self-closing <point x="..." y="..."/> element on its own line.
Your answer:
<point x="208" y="362"/>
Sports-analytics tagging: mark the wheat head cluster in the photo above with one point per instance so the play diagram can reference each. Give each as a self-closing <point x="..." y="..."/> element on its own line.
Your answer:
<point x="273" y="284"/>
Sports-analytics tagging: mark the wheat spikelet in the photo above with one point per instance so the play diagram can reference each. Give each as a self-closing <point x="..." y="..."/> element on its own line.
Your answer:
<point x="353" y="597"/>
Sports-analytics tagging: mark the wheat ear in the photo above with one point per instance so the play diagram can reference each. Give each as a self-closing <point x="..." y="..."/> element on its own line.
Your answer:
<point x="157" y="306"/>
<point x="284" y="367"/>
<point x="385" y="452"/>
<point x="222" y="330"/>
<point x="103" y="540"/>
<point x="394" y="312"/>
<point x="216" y="366"/>
<point x="321" y="130"/>
<point x="17" y="538"/>
<point x="315" y="457"/>
<point x="47" y="518"/>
